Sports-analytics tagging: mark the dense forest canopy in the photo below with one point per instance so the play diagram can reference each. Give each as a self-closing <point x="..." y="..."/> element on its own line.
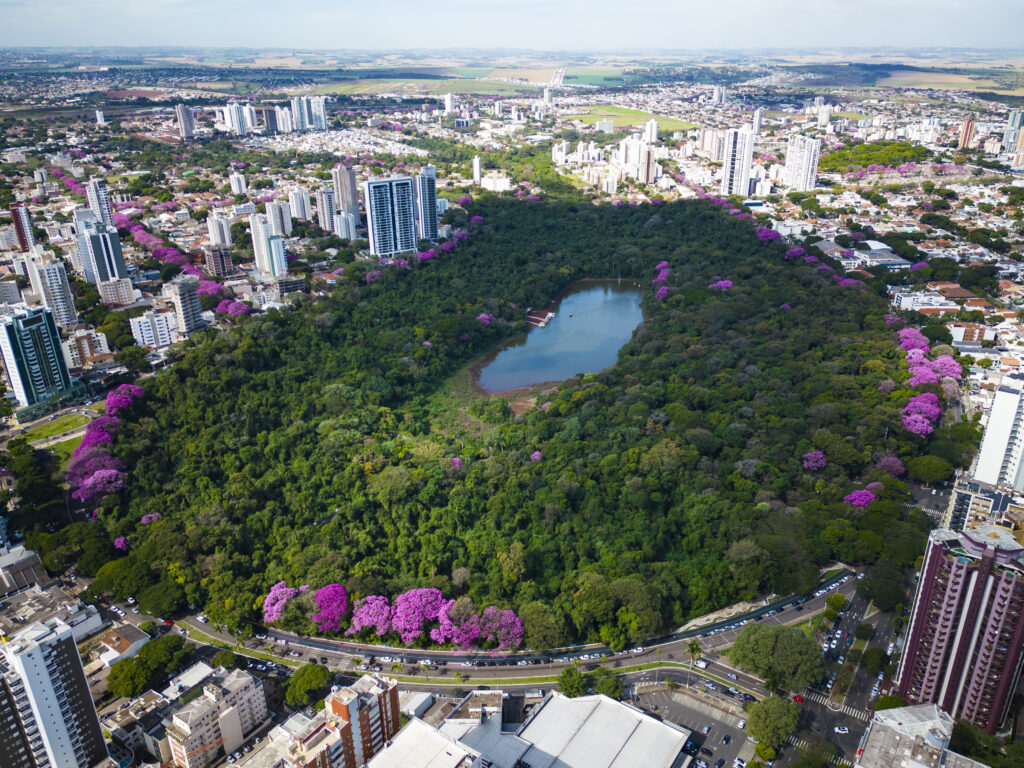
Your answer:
<point x="315" y="446"/>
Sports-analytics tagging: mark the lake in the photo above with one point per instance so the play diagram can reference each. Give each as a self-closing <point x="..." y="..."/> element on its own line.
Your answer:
<point x="592" y="322"/>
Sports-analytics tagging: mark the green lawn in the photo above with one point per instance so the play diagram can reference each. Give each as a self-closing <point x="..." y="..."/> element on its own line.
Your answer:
<point x="56" y="427"/>
<point x="64" y="450"/>
<point x="594" y="76"/>
<point x="436" y="87"/>
<point x="623" y="116"/>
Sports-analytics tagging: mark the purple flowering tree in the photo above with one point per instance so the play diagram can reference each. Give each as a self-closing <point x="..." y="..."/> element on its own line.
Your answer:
<point x="121" y="543"/>
<point x="275" y="601"/>
<point x="892" y="465"/>
<point x="536" y="456"/>
<point x="332" y="602"/>
<point x="721" y="285"/>
<point x="859" y="499"/>
<point x="415" y="608"/>
<point x="815" y="460"/>
<point x="371" y="612"/>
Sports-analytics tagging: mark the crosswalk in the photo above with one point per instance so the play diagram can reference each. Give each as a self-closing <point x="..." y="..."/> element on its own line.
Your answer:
<point x="846" y="709"/>
<point x="800" y="743"/>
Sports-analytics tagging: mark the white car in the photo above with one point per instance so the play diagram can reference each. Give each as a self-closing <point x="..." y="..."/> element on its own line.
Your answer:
<point x="841" y="729"/>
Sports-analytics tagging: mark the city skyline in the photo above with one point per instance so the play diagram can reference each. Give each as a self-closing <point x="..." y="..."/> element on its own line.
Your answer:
<point x="569" y="25"/>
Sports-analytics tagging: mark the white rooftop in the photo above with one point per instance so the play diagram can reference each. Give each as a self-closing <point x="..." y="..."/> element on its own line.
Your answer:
<point x="598" y="732"/>
<point x="418" y="745"/>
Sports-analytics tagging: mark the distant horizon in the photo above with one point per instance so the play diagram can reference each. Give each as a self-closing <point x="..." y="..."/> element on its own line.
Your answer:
<point x="537" y="25"/>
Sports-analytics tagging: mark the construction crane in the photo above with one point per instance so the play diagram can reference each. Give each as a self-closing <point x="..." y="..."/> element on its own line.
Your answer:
<point x="194" y="752"/>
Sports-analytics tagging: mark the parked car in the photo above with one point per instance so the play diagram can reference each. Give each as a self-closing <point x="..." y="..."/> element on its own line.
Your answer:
<point x="841" y="729"/>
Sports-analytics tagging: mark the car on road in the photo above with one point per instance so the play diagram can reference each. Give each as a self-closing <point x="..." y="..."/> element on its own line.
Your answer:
<point x="726" y="739"/>
<point x="741" y="724"/>
<point x="700" y="763"/>
<point x="296" y="654"/>
<point x="732" y="676"/>
<point x="323" y="660"/>
<point x="707" y="729"/>
<point x="706" y="751"/>
<point x="798" y="699"/>
<point x="841" y="729"/>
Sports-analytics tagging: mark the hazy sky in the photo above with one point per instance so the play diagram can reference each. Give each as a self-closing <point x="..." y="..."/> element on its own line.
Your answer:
<point x="533" y="24"/>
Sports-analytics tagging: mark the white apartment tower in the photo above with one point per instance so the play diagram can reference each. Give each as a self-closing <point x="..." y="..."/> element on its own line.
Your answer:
<point x="476" y="170"/>
<point x="50" y="284"/>
<point x="449" y="103"/>
<point x="299" y="200"/>
<point x="344" y="226"/>
<point x="391" y="215"/>
<point x="99" y="249"/>
<point x="736" y="161"/>
<point x="1002" y="446"/>
<point x="346" y="191"/>
<point x="47" y="716"/>
<point x="155" y="329"/>
<point x="220" y="230"/>
<point x="758" y="117"/>
<point x="651" y="131"/>
<point x="426" y="203"/>
<point x="183" y="291"/>
<point x="238" y="184"/>
<point x="99" y="201"/>
<point x="325" y="208"/>
<point x="234" y="118"/>
<point x="279" y="216"/>
<point x="268" y="247"/>
<point x="186" y="122"/>
<point x="801" y="162"/>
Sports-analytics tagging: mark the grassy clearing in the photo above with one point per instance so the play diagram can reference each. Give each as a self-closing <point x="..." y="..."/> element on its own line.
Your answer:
<point x="530" y="75"/>
<point x="944" y="81"/>
<point x="437" y="87"/>
<point x="56" y="427"/>
<point x="811" y="625"/>
<point x="594" y="76"/>
<point x="623" y="116"/>
<point x="62" y="451"/>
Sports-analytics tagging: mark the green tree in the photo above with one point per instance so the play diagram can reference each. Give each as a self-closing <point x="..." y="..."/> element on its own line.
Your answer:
<point x="572" y="682"/>
<point x="864" y="631"/>
<point x="228" y="659"/>
<point x="127" y="678"/>
<point x="162" y="599"/>
<point x="782" y="655"/>
<point x="306" y="684"/>
<point x="544" y="627"/>
<point x="693" y="649"/>
<point x="836" y="601"/>
<point x="929" y="469"/>
<point x="772" y="721"/>
<point x="607" y="683"/>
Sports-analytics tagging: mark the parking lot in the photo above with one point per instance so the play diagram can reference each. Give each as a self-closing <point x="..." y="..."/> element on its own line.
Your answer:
<point x="695" y="716"/>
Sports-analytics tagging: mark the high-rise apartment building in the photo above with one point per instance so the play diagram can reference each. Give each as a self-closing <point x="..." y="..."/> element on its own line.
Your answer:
<point x="99" y="249"/>
<point x="758" y="117"/>
<point x="218" y="260"/>
<point x="234" y="118"/>
<point x="232" y="705"/>
<point x="736" y="161"/>
<point x="1002" y="446"/>
<point x="651" y="131"/>
<point x="99" y="201"/>
<point x="345" y="226"/>
<point x="476" y="170"/>
<point x="309" y="113"/>
<point x="186" y="122"/>
<point x="30" y="345"/>
<point x="801" y="171"/>
<point x="648" y="168"/>
<point x="718" y="94"/>
<point x="325" y="208"/>
<point x="116" y="292"/>
<point x="279" y="216"/>
<point x="50" y="283"/>
<point x="346" y="190"/>
<point x="238" y="184"/>
<point x="47" y="716"/>
<point x="283" y="116"/>
<point x="267" y="247"/>
<point x="966" y="633"/>
<point x="84" y="348"/>
<point x="426" y="203"/>
<point x="449" y="103"/>
<point x="390" y="213"/>
<point x="100" y="119"/>
<point x="356" y="723"/>
<point x="23" y="227"/>
<point x="1015" y="119"/>
<point x="154" y="329"/>
<point x="298" y="198"/>
<point x="967" y="131"/>
<point x="183" y="290"/>
<point x="219" y="230"/>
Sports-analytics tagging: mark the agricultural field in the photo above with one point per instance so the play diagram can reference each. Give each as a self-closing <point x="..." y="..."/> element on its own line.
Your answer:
<point x="945" y="81"/>
<point x="434" y="87"/>
<point x="623" y="116"/>
<point x="528" y="74"/>
<point x="607" y="76"/>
